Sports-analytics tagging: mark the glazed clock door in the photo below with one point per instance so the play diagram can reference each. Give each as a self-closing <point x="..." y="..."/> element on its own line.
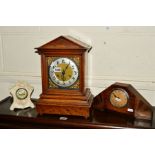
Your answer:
<point x="64" y="72"/>
<point x="21" y="93"/>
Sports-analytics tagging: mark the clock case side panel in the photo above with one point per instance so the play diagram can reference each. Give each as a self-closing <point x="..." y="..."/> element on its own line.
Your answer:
<point x="85" y="70"/>
<point x="43" y="73"/>
<point x="143" y="109"/>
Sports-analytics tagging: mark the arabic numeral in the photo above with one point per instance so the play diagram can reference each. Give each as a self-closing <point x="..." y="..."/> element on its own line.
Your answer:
<point x="57" y="62"/>
<point x="53" y="77"/>
<point x="54" y="67"/>
<point x="52" y="72"/>
<point x="63" y="61"/>
<point x="57" y="82"/>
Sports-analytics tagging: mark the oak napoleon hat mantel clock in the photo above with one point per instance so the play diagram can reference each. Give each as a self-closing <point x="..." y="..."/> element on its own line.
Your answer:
<point x="64" y="69"/>
<point x="124" y="99"/>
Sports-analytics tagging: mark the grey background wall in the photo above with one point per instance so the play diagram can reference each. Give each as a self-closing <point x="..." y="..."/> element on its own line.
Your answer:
<point x="122" y="54"/>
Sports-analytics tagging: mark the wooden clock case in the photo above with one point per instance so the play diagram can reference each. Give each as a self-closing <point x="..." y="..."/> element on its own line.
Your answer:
<point x="137" y="107"/>
<point x="64" y="101"/>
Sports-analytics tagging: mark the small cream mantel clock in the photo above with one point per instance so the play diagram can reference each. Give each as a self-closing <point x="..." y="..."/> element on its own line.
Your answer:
<point x="21" y="93"/>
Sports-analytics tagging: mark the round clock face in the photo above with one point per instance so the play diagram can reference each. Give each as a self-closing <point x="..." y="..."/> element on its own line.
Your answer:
<point x="21" y="93"/>
<point x="63" y="72"/>
<point x="119" y="98"/>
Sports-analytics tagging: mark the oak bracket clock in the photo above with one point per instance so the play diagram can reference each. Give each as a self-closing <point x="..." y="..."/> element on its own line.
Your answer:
<point x="64" y="69"/>
<point x="124" y="99"/>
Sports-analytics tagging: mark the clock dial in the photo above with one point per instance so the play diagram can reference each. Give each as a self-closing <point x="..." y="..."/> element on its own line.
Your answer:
<point x="63" y="72"/>
<point x="21" y="93"/>
<point x="119" y="98"/>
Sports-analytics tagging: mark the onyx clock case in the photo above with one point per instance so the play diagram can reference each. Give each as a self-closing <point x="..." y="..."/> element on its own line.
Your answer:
<point x="21" y="93"/>
<point x="64" y="69"/>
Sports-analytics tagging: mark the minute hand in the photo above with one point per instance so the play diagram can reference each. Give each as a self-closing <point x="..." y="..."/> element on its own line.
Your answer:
<point x="66" y="68"/>
<point x="116" y="96"/>
<point x="64" y="71"/>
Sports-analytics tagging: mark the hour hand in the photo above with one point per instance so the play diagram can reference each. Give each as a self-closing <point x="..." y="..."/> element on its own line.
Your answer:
<point x="62" y="75"/>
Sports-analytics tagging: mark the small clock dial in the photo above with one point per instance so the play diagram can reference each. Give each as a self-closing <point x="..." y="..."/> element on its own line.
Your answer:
<point x="63" y="72"/>
<point x="119" y="98"/>
<point x="21" y="93"/>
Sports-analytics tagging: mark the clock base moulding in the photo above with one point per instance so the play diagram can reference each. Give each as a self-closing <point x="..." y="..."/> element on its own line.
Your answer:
<point x="62" y="105"/>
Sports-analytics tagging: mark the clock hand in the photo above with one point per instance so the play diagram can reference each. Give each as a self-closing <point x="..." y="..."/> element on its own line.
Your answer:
<point x="64" y="71"/>
<point x="66" y="67"/>
<point x="62" y="75"/>
<point x="116" y="96"/>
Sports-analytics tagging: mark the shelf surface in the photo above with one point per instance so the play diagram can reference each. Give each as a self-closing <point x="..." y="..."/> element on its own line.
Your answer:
<point x="29" y="118"/>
